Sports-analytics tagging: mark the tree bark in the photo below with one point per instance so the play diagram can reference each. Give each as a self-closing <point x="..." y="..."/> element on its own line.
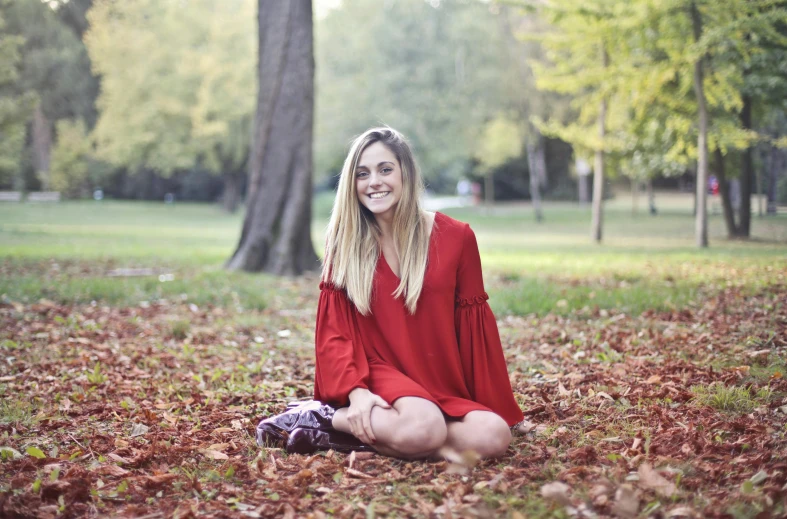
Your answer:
<point x="775" y="165"/>
<point x="701" y="219"/>
<point x="724" y="193"/>
<point x="489" y="190"/>
<point x="598" y="165"/>
<point x="535" y="176"/>
<point x="651" y="198"/>
<point x="747" y="174"/>
<point x="42" y="146"/>
<point x="276" y="233"/>
<point x="230" y="196"/>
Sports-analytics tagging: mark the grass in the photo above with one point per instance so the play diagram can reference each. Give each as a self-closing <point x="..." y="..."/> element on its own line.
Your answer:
<point x="731" y="399"/>
<point x="63" y="252"/>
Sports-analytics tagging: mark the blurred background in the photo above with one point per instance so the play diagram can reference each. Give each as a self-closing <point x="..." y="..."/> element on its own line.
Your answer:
<point x="146" y="98"/>
<point x="126" y="128"/>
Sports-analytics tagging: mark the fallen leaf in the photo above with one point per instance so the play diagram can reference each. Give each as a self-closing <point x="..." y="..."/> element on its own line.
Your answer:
<point x="117" y="458"/>
<point x="214" y="455"/>
<point x="139" y="429"/>
<point x="524" y="427"/>
<point x="653" y="379"/>
<point x="649" y="478"/>
<point x="112" y="470"/>
<point x="556" y="491"/>
<point x="626" y="503"/>
<point x="9" y="452"/>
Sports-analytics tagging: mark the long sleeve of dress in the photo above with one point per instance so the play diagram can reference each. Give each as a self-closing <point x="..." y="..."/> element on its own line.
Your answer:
<point x="481" y="352"/>
<point x="341" y="360"/>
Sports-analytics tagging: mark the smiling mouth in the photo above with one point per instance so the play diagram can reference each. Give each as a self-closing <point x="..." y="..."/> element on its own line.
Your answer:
<point x="377" y="196"/>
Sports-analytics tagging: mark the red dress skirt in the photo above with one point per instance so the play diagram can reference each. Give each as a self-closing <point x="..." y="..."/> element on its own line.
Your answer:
<point x="448" y="352"/>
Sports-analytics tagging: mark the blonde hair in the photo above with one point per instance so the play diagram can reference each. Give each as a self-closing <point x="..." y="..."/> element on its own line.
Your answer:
<point x="352" y="249"/>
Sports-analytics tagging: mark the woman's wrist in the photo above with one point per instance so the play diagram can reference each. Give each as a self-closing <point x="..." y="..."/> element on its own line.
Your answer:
<point x="355" y="393"/>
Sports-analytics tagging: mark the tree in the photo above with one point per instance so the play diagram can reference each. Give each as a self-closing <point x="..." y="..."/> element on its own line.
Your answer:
<point x="501" y="141"/>
<point x="580" y="64"/>
<point x="185" y="104"/>
<point x="439" y="88"/>
<point x="276" y="233"/>
<point x="14" y="108"/>
<point x="55" y="67"/>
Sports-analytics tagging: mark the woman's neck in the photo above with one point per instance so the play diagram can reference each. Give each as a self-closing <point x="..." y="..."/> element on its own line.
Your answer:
<point x="386" y="227"/>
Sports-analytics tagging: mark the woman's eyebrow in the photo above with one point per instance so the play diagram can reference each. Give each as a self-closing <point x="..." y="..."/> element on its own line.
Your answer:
<point x="378" y="165"/>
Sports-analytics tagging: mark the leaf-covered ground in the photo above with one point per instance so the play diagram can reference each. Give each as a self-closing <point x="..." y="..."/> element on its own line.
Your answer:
<point x="149" y="411"/>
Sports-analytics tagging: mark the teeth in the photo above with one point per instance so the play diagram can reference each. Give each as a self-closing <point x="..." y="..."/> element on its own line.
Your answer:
<point x="378" y="195"/>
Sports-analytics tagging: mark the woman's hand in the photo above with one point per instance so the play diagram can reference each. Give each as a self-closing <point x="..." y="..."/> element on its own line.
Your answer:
<point x="359" y="414"/>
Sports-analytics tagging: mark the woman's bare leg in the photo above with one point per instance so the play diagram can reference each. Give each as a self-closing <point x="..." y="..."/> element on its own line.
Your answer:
<point x="413" y="428"/>
<point x="481" y="431"/>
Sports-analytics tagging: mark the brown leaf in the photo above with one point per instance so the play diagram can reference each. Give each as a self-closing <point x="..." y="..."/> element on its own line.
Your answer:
<point x="626" y="503"/>
<point x="358" y="474"/>
<point x="214" y="455"/>
<point x="556" y="491"/>
<point x="115" y="457"/>
<point x="653" y="379"/>
<point x="112" y="470"/>
<point x="155" y="481"/>
<point x="649" y="478"/>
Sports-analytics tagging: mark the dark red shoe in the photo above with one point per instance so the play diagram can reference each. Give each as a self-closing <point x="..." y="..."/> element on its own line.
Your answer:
<point x="311" y="414"/>
<point x="306" y="441"/>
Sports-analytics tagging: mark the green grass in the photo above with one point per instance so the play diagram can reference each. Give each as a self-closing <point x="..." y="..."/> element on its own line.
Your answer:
<point x="64" y="252"/>
<point x="732" y="399"/>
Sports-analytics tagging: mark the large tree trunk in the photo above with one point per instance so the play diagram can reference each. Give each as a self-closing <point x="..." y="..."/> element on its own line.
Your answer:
<point x="276" y="233"/>
<point x="724" y="194"/>
<point x="42" y="146"/>
<point x="701" y="219"/>
<point x="535" y="176"/>
<point x="598" y="164"/>
<point x="747" y="174"/>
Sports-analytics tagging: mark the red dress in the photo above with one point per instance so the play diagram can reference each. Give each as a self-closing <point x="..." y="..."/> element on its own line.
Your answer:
<point x="448" y="352"/>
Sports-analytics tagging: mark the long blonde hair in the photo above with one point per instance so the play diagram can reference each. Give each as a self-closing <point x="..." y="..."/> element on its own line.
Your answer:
<point x="352" y="249"/>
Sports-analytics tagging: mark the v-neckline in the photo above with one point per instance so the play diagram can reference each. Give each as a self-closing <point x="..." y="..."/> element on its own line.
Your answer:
<point x="431" y="234"/>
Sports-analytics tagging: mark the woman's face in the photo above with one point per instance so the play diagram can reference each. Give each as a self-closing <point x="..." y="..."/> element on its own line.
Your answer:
<point x="378" y="180"/>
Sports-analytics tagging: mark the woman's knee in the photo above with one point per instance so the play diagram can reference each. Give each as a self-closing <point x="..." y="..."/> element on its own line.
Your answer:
<point x="498" y="441"/>
<point x="489" y="436"/>
<point x="422" y="431"/>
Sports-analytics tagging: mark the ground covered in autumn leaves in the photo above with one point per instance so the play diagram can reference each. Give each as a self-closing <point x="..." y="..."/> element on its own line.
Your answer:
<point x="150" y="411"/>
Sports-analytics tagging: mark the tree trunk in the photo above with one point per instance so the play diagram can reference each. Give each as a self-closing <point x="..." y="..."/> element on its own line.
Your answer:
<point x="598" y="165"/>
<point x="230" y="196"/>
<point x="701" y="219"/>
<point x="724" y="193"/>
<point x="634" y="196"/>
<point x="535" y="178"/>
<point x="651" y="198"/>
<point x="276" y="233"/>
<point x="747" y="174"/>
<point x="776" y="163"/>
<point x="489" y="190"/>
<point x="42" y="146"/>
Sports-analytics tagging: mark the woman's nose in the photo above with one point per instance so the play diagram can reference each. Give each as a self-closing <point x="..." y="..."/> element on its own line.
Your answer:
<point x="375" y="179"/>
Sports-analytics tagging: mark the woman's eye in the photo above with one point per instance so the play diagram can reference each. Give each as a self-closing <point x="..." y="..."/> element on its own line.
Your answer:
<point x="387" y="170"/>
<point x="361" y="174"/>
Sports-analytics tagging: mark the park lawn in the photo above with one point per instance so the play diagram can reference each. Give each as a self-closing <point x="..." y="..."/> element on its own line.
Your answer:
<point x="63" y="253"/>
<point x="651" y="374"/>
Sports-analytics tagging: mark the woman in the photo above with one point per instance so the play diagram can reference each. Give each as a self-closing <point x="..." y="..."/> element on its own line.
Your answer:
<point x="407" y="348"/>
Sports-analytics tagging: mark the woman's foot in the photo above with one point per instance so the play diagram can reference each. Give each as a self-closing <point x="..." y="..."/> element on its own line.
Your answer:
<point x="311" y="414"/>
<point x="303" y="440"/>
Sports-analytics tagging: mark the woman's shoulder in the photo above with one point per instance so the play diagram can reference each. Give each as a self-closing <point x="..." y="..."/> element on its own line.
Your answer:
<point x="450" y="226"/>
